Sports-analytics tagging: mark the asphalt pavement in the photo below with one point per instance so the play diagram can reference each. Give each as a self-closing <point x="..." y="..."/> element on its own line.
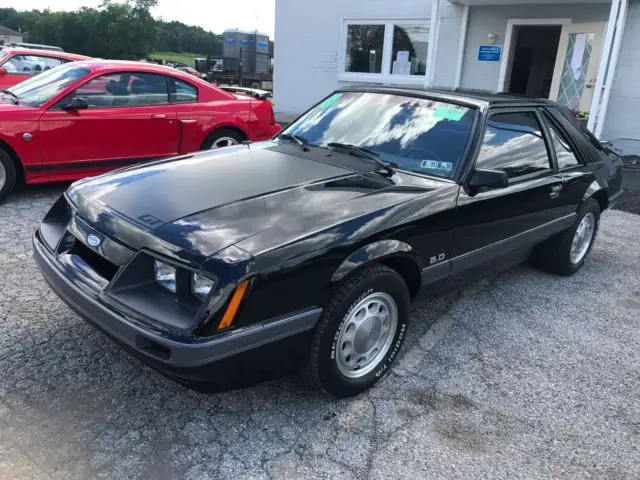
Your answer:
<point x="630" y="200"/>
<point x="524" y="375"/>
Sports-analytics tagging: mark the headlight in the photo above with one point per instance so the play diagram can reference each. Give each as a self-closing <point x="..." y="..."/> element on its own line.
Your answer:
<point x="165" y="275"/>
<point x="201" y="286"/>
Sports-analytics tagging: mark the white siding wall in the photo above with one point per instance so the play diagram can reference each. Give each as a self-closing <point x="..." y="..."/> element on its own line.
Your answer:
<point x="448" y="39"/>
<point x="308" y="46"/>
<point x="485" y="20"/>
<point x="622" y="124"/>
<point x="11" y="38"/>
<point x="307" y="43"/>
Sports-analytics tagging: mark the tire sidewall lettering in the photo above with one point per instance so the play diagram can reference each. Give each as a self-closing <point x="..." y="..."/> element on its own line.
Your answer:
<point x="368" y="292"/>
<point x="388" y="360"/>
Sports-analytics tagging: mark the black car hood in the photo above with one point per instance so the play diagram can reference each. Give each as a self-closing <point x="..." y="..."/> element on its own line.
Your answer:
<point x="203" y="203"/>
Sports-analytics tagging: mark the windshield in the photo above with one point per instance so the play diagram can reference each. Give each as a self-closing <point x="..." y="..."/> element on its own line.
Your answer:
<point x="415" y="134"/>
<point x="41" y="88"/>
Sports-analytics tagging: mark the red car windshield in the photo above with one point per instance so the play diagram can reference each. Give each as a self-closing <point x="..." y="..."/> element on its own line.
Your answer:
<point x="416" y="134"/>
<point x="42" y="88"/>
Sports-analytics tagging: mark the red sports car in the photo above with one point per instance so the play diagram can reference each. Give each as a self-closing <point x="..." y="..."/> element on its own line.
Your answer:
<point x="85" y="118"/>
<point x="20" y="64"/>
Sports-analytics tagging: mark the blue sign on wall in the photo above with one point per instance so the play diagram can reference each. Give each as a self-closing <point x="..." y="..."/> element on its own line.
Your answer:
<point x="245" y="42"/>
<point x="489" y="53"/>
<point x="229" y="41"/>
<point x="263" y="45"/>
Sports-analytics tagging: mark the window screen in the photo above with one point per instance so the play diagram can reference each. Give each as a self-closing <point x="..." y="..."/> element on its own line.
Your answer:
<point x="364" y="48"/>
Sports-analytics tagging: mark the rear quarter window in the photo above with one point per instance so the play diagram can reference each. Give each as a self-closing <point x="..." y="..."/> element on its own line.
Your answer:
<point x="565" y="154"/>
<point x="587" y="146"/>
<point x="182" y="92"/>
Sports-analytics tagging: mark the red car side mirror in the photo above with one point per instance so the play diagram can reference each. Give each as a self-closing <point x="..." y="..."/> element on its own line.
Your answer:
<point x="3" y="72"/>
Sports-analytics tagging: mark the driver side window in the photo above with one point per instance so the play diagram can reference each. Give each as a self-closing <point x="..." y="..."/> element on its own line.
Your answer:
<point x="123" y="90"/>
<point x="513" y="142"/>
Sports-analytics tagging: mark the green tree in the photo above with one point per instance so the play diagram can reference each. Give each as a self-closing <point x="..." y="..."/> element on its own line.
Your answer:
<point x="113" y="30"/>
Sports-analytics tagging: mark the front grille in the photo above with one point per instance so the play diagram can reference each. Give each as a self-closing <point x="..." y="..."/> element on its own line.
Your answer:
<point x="98" y="263"/>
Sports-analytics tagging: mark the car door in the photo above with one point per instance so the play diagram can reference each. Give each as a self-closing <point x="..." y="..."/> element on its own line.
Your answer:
<point x="495" y="223"/>
<point x="127" y="119"/>
<point x="571" y="166"/>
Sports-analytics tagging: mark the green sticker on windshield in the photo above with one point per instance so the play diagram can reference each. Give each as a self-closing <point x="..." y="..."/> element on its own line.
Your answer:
<point x="449" y="112"/>
<point x="330" y="101"/>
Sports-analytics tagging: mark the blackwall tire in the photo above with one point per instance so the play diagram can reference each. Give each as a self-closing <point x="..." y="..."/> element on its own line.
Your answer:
<point x="377" y="295"/>
<point x="7" y="175"/>
<point x="567" y="252"/>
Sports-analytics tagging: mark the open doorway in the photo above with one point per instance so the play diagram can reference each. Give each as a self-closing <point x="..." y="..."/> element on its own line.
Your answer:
<point x="534" y="58"/>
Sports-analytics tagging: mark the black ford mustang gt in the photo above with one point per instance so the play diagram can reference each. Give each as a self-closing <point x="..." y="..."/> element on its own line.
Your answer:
<point x="309" y="248"/>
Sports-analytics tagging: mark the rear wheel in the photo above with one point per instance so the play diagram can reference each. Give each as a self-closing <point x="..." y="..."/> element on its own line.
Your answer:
<point x="565" y="253"/>
<point x="7" y="174"/>
<point x="225" y="137"/>
<point x="360" y="332"/>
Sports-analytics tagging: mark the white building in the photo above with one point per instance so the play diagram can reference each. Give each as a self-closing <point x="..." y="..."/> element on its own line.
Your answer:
<point x="582" y="53"/>
<point x="9" y="36"/>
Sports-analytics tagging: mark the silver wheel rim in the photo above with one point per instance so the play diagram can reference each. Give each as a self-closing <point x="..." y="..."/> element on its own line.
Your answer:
<point x="582" y="238"/>
<point x="224" y="142"/>
<point x="366" y="335"/>
<point x="3" y="176"/>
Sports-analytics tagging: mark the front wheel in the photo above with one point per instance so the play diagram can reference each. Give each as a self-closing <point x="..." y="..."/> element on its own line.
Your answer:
<point x="566" y="253"/>
<point x="7" y="174"/>
<point x="360" y="332"/>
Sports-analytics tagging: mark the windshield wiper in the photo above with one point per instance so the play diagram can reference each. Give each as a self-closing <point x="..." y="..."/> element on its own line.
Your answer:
<point x="15" y="98"/>
<point x="364" y="153"/>
<point x="296" y="138"/>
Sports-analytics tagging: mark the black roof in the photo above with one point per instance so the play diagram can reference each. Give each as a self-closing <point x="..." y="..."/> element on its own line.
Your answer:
<point x="476" y="98"/>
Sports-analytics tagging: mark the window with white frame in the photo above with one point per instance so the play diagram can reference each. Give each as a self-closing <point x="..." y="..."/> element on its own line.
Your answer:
<point x="385" y="48"/>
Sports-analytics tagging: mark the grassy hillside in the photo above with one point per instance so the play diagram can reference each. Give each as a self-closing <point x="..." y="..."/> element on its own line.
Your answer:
<point x="188" y="58"/>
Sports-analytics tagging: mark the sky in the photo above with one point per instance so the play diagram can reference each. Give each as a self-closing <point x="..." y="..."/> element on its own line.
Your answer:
<point x="214" y="15"/>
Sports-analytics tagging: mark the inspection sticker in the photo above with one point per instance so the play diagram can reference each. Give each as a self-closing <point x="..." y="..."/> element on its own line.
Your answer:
<point x="449" y="112"/>
<point x="436" y="165"/>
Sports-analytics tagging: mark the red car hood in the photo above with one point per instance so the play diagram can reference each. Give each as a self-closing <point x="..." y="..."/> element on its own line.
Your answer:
<point x="7" y="106"/>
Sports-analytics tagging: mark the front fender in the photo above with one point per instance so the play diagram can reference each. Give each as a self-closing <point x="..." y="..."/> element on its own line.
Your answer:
<point x="374" y="252"/>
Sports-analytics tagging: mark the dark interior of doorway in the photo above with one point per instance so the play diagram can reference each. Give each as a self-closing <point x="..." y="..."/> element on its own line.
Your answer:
<point x="534" y="60"/>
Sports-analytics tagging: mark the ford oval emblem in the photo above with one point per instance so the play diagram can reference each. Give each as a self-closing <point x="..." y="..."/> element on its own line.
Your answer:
<point x="93" y="240"/>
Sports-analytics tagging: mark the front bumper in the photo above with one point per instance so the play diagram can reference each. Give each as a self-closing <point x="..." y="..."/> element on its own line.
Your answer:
<point x="185" y="360"/>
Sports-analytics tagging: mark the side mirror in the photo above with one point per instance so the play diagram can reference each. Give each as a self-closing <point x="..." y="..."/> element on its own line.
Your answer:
<point x="3" y="72"/>
<point x="488" y="179"/>
<point x="77" y="103"/>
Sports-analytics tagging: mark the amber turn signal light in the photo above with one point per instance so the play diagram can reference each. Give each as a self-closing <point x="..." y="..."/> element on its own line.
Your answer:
<point x="230" y="314"/>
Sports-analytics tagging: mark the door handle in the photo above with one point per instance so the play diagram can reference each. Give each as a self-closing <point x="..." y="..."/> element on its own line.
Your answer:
<point x="555" y="191"/>
<point x="159" y="116"/>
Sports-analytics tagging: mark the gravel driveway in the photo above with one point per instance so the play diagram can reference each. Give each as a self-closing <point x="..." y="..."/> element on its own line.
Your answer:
<point x="523" y="375"/>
